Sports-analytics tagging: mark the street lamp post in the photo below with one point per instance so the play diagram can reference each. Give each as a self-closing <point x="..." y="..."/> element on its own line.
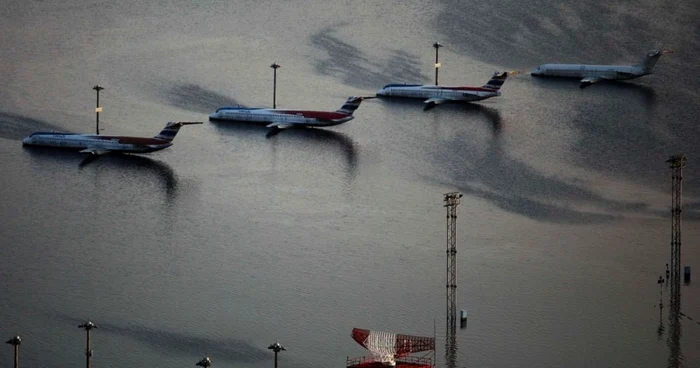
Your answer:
<point x="205" y="362"/>
<point x="276" y="347"/>
<point x="88" y="326"/>
<point x="16" y="341"/>
<point x="98" y="109"/>
<point x="437" y="47"/>
<point x="274" y="66"/>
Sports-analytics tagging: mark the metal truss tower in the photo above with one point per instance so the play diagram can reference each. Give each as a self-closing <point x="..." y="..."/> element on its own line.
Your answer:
<point x="451" y="203"/>
<point x="677" y="163"/>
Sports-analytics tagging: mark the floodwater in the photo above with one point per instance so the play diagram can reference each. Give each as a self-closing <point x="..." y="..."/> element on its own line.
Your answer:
<point x="232" y="239"/>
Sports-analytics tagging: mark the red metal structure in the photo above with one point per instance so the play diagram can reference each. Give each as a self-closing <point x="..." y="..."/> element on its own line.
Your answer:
<point x="394" y="350"/>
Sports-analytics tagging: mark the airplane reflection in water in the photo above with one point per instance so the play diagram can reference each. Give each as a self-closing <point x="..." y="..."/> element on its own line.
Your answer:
<point x="126" y="163"/>
<point x="302" y="137"/>
<point x="491" y="114"/>
<point x="134" y="164"/>
<point x="465" y="110"/>
<point x="326" y="139"/>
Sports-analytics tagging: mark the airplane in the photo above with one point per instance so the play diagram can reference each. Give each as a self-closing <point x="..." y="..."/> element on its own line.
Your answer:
<point x="590" y="74"/>
<point x="102" y="144"/>
<point x="281" y="119"/>
<point x="436" y="95"/>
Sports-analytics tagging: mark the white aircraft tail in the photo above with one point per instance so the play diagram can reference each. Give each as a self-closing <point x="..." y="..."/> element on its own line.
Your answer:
<point x="170" y="131"/>
<point x="352" y="104"/>
<point x="496" y="81"/>
<point x="651" y="58"/>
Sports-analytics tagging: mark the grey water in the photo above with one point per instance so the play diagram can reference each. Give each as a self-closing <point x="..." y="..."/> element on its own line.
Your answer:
<point x="233" y="239"/>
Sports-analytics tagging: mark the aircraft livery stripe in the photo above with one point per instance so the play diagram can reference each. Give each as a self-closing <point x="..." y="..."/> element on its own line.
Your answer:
<point x="476" y="89"/>
<point x="323" y="115"/>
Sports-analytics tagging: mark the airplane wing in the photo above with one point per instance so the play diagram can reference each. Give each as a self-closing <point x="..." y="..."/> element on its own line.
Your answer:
<point x="434" y="101"/>
<point x="279" y="125"/>
<point x="95" y="151"/>
<point x="585" y="82"/>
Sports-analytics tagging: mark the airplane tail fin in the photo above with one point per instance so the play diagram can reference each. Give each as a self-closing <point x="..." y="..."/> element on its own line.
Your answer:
<point x="352" y="104"/>
<point x="170" y="131"/>
<point x="497" y="80"/>
<point x="651" y="58"/>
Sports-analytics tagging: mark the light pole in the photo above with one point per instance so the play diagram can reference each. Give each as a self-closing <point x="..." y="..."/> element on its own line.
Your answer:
<point x="274" y="66"/>
<point x="276" y="347"/>
<point x="437" y="47"/>
<point x="16" y="341"/>
<point x="88" y="326"/>
<point x="98" y="109"/>
<point x="205" y="362"/>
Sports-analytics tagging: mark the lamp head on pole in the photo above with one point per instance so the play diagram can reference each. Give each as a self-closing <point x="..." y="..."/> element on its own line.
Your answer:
<point x="15" y="341"/>
<point x="88" y="326"/>
<point x="678" y="160"/>
<point x="98" y="88"/>
<point x="276" y="347"/>
<point x="275" y="66"/>
<point x="437" y="45"/>
<point x="205" y="362"/>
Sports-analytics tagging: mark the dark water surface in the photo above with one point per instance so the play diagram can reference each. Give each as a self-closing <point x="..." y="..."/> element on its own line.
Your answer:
<point x="233" y="238"/>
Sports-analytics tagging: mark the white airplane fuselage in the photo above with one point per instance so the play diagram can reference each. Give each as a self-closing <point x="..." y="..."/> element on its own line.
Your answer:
<point x="589" y="74"/>
<point x="98" y="142"/>
<point x="281" y="117"/>
<point x="424" y="92"/>
<point x="608" y="72"/>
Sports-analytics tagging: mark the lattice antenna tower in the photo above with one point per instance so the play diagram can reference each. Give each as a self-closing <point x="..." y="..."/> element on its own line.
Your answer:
<point x="451" y="202"/>
<point x="677" y="163"/>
